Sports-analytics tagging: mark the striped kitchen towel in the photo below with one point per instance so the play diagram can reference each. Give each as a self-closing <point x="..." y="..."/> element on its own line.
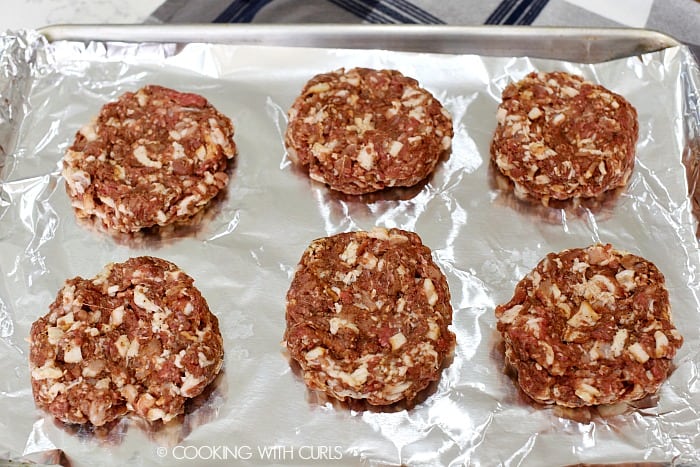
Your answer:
<point x="678" y="18"/>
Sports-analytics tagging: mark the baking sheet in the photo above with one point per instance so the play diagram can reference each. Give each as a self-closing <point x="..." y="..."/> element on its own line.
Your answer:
<point x="242" y="257"/>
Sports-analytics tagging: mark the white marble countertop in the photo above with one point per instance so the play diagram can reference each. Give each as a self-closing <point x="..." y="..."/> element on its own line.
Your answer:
<point x="33" y="14"/>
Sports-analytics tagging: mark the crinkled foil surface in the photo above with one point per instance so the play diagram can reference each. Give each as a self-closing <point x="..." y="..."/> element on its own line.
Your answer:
<point x="259" y="412"/>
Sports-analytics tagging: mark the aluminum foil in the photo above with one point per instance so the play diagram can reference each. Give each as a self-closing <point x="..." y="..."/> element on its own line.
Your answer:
<point x="242" y="256"/>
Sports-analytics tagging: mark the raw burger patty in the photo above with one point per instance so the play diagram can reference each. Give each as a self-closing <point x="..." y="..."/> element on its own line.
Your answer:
<point x="364" y="130"/>
<point x="561" y="137"/>
<point x="137" y="338"/>
<point x="589" y="326"/>
<point x="368" y="316"/>
<point x="152" y="158"/>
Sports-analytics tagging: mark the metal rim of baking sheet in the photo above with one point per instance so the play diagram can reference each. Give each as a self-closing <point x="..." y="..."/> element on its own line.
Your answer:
<point x="585" y="45"/>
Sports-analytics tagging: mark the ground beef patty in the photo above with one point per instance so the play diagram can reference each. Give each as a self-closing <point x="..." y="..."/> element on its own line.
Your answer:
<point x="152" y="158"/>
<point x="589" y="326"/>
<point x="137" y="338"/>
<point x="368" y="316"/>
<point x="561" y="137"/>
<point x="364" y="130"/>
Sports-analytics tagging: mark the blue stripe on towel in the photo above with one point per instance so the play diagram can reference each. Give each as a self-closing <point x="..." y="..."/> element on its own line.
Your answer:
<point x="501" y="11"/>
<point x="241" y="11"/>
<point x="535" y="9"/>
<point x="400" y="11"/>
<point x="418" y="13"/>
<point x="523" y="12"/>
<point x="388" y="11"/>
<point x="361" y="11"/>
<point x="519" y="11"/>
